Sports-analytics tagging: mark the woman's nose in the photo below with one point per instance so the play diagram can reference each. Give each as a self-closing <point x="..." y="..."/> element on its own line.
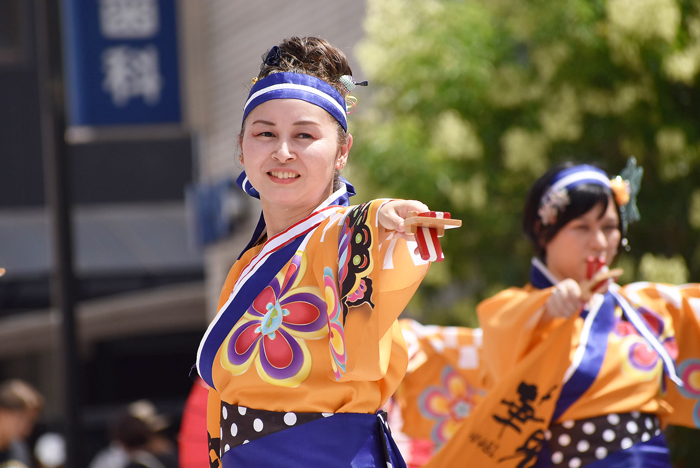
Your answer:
<point x="282" y="152"/>
<point x="599" y="239"/>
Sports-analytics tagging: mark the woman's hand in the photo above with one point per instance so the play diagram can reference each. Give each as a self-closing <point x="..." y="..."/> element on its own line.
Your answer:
<point x="565" y="301"/>
<point x="392" y="214"/>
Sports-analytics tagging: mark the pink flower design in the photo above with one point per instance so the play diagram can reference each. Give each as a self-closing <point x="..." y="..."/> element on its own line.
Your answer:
<point x="273" y="330"/>
<point x="448" y="405"/>
<point x="639" y="359"/>
<point x="336" y="335"/>
<point x="359" y="293"/>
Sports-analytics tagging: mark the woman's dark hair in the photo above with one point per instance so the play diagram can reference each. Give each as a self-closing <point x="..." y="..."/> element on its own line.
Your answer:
<point x="310" y="56"/>
<point x="582" y="199"/>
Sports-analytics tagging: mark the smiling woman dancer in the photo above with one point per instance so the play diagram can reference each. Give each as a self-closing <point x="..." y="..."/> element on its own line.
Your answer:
<point x="306" y="347"/>
<point x="581" y="379"/>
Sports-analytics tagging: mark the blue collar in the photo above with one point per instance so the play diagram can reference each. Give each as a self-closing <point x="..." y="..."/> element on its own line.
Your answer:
<point x="340" y="197"/>
<point x="540" y="276"/>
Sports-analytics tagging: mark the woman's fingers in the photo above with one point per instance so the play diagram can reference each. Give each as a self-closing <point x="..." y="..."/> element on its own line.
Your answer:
<point x="565" y="299"/>
<point x="392" y="214"/>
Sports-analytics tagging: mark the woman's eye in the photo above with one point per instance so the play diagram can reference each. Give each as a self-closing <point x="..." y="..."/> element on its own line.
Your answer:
<point x="265" y="134"/>
<point x="305" y="135"/>
<point x="611" y="228"/>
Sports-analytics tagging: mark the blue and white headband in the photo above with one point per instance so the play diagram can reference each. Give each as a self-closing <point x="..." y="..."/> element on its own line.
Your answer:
<point x="556" y="198"/>
<point x="577" y="175"/>
<point x="307" y="88"/>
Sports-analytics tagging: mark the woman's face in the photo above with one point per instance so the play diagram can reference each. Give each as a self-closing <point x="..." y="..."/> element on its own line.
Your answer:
<point x="290" y="150"/>
<point x="589" y="235"/>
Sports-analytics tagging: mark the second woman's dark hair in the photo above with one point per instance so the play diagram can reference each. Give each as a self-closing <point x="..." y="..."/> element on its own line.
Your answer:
<point x="582" y="199"/>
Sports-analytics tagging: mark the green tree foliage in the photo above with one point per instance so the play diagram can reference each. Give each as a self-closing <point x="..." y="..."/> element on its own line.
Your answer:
<point x="473" y="100"/>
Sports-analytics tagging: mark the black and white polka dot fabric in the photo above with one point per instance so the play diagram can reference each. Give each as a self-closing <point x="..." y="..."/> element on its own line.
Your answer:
<point x="240" y="425"/>
<point x="575" y="444"/>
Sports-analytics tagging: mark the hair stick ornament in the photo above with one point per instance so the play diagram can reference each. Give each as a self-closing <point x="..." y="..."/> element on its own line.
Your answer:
<point x="632" y="175"/>
<point x="350" y="83"/>
<point x="428" y="227"/>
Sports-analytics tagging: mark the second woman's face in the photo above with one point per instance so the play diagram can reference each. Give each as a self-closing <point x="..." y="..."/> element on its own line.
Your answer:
<point x="594" y="234"/>
<point x="290" y="151"/>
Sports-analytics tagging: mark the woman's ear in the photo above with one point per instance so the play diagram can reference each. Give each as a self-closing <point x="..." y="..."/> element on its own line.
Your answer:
<point x="537" y="230"/>
<point x="540" y="237"/>
<point x="343" y="153"/>
<point x="240" y="147"/>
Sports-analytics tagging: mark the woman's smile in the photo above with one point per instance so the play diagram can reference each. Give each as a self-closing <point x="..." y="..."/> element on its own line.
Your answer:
<point x="283" y="176"/>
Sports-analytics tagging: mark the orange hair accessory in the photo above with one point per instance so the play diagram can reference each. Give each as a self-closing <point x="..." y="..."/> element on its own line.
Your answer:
<point x="621" y="190"/>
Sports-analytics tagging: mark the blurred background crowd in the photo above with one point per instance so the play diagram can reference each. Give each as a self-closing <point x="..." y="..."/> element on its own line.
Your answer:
<point x="469" y="101"/>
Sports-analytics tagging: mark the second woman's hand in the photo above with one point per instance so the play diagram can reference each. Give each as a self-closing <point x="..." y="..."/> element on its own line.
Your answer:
<point x="565" y="301"/>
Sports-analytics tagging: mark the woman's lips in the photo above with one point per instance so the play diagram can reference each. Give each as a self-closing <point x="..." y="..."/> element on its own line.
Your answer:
<point x="283" y="177"/>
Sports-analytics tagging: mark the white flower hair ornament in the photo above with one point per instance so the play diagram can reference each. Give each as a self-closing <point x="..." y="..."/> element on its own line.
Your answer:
<point x="553" y="203"/>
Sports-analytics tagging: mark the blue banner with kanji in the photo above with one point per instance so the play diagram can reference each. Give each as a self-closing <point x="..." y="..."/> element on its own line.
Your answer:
<point x="121" y="62"/>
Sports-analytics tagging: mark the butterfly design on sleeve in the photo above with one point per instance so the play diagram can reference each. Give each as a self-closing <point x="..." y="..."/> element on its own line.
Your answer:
<point x="355" y="261"/>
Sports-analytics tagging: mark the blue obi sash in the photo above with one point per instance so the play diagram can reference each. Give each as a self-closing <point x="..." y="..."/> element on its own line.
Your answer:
<point x="650" y="454"/>
<point x="341" y="440"/>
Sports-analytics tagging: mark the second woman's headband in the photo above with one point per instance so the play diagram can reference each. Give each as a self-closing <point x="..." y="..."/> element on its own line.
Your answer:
<point x="623" y="187"/>
<point x="307" y="88"/>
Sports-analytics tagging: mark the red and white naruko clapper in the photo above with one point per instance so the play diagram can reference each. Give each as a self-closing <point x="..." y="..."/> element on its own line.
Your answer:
<point x="428" y="227"/>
